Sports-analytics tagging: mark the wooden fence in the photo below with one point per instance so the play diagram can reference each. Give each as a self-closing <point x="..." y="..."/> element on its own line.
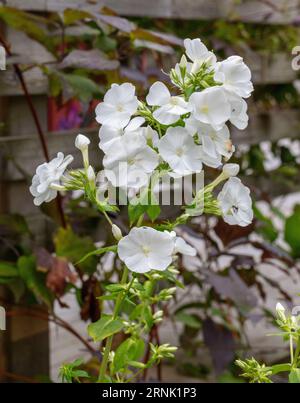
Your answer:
<point x="19" y="140"/>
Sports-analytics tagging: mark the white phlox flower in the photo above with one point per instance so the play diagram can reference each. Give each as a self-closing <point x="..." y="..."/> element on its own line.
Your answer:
<point x="211" y="106"/>
<point x="118" y="105"/>
<point x="46" y="181"/>
<point x="178" y="149"/>
<point x="130" y="162"/>
<point x="170" y="108"/>
<point x="235" y="76"/>
<point x="108" y="134"/>
<point x="235" y="203"/>
<point x="198" y="53"/>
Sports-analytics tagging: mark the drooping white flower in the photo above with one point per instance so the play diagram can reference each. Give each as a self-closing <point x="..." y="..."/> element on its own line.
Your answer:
<point x="211" y="106"/>
<point x="170" y="107"/>
<point x="198" y="53"/>
<point x="179" y="150"/>
<point x="215" y="143"/>
<point x="235" y="203"/>
<point x="239" y="117"/>
<point x="181" y="246"/>
<point x="235" y="76"/>
<point x="145" y="249"/>
<point x="118" y="105"/>
<point x="108" y="134"/>
<point x="130" y="162"/>
<point x="46" y="180"/>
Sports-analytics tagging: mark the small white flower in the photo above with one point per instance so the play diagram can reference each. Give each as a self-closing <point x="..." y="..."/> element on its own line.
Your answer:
<point x="118" y="105"/>
<point x="215" y="143"/>
<point x="108" y="134"/>
<point x="145" y="249"/>
<point x="198" y="53"/>
<point x="130" y="162"/>
<point x="239" y="117"/>
<point x="211" y="106"/>
<point x="179" y="150"/>
<point x="46" y="181"/>
<point x="235" y="76"/>
<point x="235" y="203"/>
<point x="170" y="107"/>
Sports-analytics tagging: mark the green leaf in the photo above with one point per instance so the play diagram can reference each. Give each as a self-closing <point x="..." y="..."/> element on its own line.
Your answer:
<point x="291" y="231"/>
<point x="153" y="212"/>
<point x="34" y="280"/>
<point x="72" y="15"/>
<point x="82" y="87"/>
<point x="73" y="247"/>
<point x="130" y="350"/>
<point x="294" y="376"/>
<point x="280" y="368"/>
<point x="135" y="211"/>
<point x="266" y="227"/>
<point x="28" y="23"/>
<point x="99" y="252"/>
<point x="8" y="270"/>
<point x="104" y="327"/>
<point x="189" y="320"/>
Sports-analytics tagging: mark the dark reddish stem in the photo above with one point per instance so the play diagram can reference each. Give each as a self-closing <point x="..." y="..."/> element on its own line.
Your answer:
<point x="36" y="121"/>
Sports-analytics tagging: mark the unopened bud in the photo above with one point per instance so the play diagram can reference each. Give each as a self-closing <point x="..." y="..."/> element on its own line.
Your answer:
<point x="91" y="174"/>
<point x="117" y="233"/>
<point x="231" y="170"/>
<point x="280" y="311"/>
<point x="82" y="142"/>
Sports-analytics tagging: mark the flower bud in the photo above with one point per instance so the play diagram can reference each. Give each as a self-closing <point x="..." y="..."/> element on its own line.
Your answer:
<point x="91" y="174"/>
<point x="117" y="233"/>
<point x="280" y="311"/>
<point x="82" y="142"/>
<point x="231" y="170"/>
<point x="183" y="62"/>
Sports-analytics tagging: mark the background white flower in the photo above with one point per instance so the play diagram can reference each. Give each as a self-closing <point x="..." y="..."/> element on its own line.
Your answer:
<point x="118" y="105"/>
<point x="178" y="149"/>
<point x="211" y="106"/>
<point x="145" y="249"/>
<point x="235" y="76"/>
<point x="235" y="203"/>
<point x="170" y="108"/>
<point x="47" y="179"/>
<point x="130" y="162"/>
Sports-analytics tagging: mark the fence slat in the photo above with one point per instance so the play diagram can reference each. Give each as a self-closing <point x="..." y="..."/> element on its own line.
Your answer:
<point x="259" y="11"/>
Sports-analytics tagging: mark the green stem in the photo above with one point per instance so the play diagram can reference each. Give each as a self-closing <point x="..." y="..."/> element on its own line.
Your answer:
<point x="110" y="339"/>
<point x="296" y="355"/>
<point x="291" y="350"/>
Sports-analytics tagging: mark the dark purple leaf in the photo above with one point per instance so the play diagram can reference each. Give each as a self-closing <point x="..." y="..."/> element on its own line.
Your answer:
<point x="233" y="287"/>
<point x="221" y="345"/>
<point x="88" y="59"/>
